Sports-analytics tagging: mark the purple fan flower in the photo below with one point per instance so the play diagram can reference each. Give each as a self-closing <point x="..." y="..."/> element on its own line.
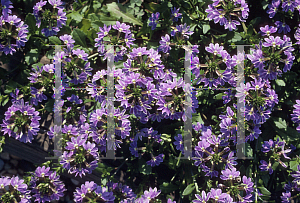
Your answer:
<point x="5" y="7"/>
<point x="14" y="190"/>
<point x="203" y="198"/>
<point x="266" y="166"/>
<point x="46" y="185"/>
<point x="151" y="194"/>
<point x="121" y="27"/>
<point x="282" y="27"/>
<point x="21" y="121"/>
<point x="164" y="44"/>
<point x="68" y="40"/>
<point x="13" y="33"/>
<point x="155" y="161"/>
<point x="273" y="8"/>
<point x="175" y="14"/>
<point x="228" y="174"/>
<point x="179" y="142"/>
<point x="286" y="197"/>
<point x="268" y="30"/>
<point x="154" y="20"/>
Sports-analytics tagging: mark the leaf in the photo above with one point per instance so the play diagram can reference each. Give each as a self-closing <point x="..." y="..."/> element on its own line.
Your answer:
<point x="206" y="28"/>
<point x="196" y="117"/>
<point x="280" y="82"/>
<point x="96" y="24"/>
<point x="167" y="187"/>
<point x="281" y="124"/>
<point x="85" y="25"/>
<point x="294" y="164"/>
<point x="144" y="168"/>
<point x="54" y="40"/>
<point x="264" y="191"/>
<point x="119" y="11"/>
<point x="32" y="56"/>
<point x="31" y="22"/>
<point x="255" y="21"/>
<point x="79" y="37"/>
<point x="189" y="189"/>
<point x="75" y="16"/>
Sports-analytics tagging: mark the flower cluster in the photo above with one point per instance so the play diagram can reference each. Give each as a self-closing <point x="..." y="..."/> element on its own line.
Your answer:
<point x="213" y="67"/>
<point x="276" y="149"/>
<point x="259" y="98"/>
<point x="123" y="38"/>
<point x="296" y="114"/>
<point x="5" y="7"/>
<point x="80" y="156"/>
<point x="272" y="54"/>
<point x="21" y="121"/>
<point x="90" y="191"/>
<point x="14" y="190"/>
<point x="50" y="16"/>
<point x="12" y="33"/>
<point x="45" y="185"/>
<point x="286" y="6"/>
<point x="228" y="12"/>
<point x="211" y="151"/>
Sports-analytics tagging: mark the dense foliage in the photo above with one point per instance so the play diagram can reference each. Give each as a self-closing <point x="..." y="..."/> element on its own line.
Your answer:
<point x="150" y="41"/>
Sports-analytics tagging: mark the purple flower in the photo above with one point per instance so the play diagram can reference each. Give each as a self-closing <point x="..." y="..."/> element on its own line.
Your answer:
<point x="21" y="121"/>
<point x="273" y="8"/>
<point x="179" y="142"/>
<point x="13" y="33"/>
<point x="155" y="161"/>
<point x="46" y="185"/>
<point x="266" y="166"/>
<point x="5" y="7"/>
<point x="228" y="174"/>
<point x="154" y="20"/>
<point x="151" y="194"/>
<point x="282" y="27"/>
<point x="217" y="194"/>
<point x="286" y="197"/>
<point x="242" y="91"/>
<point x="164" y="44"/>
<point x="268" y="30"/>
<point x="68" y="40"/>
<point x="121" y="27"/>
<point x="297" y="35"/>
<point x="51" y="19"/>
<point x="203" y="198"/>
<point x="175" y="14"/>
<point x="103" y="32"/>
<point x="14" y="190"/>
<point x="248" y="184"/>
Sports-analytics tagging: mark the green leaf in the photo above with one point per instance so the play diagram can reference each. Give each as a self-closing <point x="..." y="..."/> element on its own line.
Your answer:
<point x="75" y="16"/>
<point x="31" y="22"/>
<point x="280" y="82"/>
<point x="96" y="24"/>
<point x="206" y="28"/>
<point x="144" y="168"/>
<point x="119" y="11"/>
<point x="281" y="124"/>
<point x="294" y="164"/>
<point x="32" y="56"/>
<point x="264" y="191"/>
<point x="79" y="37"/>
<point x="255" y="21"/>
<point x="85" y="25"/>
<point x="196" y="117"/>
<point x="166" y="137"/>
<point x="167" y="187"/>
<point x="5" y="101"/>
<point x="189" y="189"/>
<point x="54" y="40"/>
